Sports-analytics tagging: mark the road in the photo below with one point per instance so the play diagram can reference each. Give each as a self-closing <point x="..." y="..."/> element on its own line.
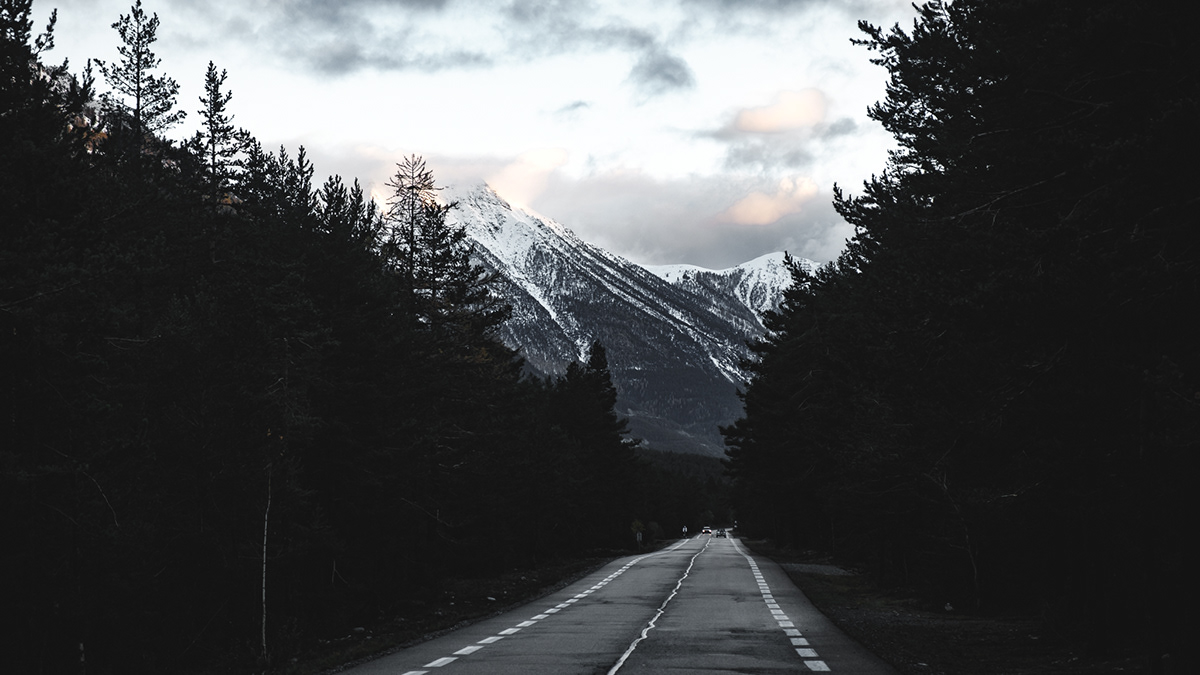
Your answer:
<point x="703" y="605"/>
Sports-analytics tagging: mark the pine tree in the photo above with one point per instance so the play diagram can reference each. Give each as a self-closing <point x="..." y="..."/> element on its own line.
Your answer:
<point x="440" y="287"/>
<point x="582" y="406"/>
<point x="40" y="103"/>
<point x="597" y="379"/>
<point x="140" y="99"/>
<point x="347" y="215"/>
<point x="218" y="142"/>
<point x="413" y="190"/>
<point x="18" y="55"/>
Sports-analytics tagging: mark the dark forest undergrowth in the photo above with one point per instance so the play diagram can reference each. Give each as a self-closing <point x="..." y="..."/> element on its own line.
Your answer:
<point x="459" y="602"/>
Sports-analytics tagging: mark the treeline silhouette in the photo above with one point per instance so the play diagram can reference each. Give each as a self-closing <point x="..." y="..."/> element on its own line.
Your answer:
<point x="242" y="411"/>
<point x="993" y="395"/>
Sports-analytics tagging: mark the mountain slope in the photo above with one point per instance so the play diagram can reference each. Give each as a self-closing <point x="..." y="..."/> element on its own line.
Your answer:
<point x="757" y="285"/>
<point x="674" y="339"/>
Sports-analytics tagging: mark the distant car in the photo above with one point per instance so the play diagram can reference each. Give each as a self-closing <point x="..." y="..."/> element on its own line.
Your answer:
<point x="720" y="533"/>
<point x="706" y="530"/>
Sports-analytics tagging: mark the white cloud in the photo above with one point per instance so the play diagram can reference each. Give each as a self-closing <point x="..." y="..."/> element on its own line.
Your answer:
<point x="523" y="180"/>
<point x="535" y="96"/>
<point x="653" y="220"/>
<point x="790" y="111"/>
<point x="760" y="208"/>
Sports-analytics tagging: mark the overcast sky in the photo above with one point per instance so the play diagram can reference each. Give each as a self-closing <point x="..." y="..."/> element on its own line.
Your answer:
<point x="706" y="132"/>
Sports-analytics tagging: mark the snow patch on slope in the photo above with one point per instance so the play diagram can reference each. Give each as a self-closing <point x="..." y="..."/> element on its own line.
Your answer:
<point x="758" y="283"/>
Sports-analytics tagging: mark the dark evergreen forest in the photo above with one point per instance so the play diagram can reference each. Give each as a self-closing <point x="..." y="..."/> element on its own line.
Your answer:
<point x="993" y="395"/>
<point x="242" y="411"/>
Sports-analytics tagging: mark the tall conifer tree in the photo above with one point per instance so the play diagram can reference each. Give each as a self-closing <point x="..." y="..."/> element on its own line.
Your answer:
<point x="412" y="191"/>
<point x="140" y="99"/>
<point x="218" y="142"/>
<point x="440" y="286"/>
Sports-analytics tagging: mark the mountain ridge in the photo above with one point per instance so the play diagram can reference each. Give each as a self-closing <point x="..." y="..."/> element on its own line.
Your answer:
<point x="675" y="335"/>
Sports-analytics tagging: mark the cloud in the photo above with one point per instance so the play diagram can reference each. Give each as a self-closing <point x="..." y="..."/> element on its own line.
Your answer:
<point x="843" y="127"/>
<point x="758" y="5"/>
<point x="662" y="221"/>
<point x="538" y="27"/>
<point x="335" y="38"/>
<point x="795" y="114"/>
<point x="552" y="28"/>
<point x="349" y="36"/>
<point x="544" y="11"/>
<point x="790" y="111"/>
<point x="775" y="8"/>
<point x="522" y="181"/>
<point x="769" y="154"/>
<point x="344" y="38"/>
<point x="345" y="57"/>
<point x="658" y="72"/>
<point x="760" y="208"/>
<point x="572" y="110"/>
<point x="787" y="135"/>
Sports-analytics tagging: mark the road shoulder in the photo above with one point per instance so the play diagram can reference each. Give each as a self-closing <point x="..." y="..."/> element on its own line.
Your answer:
<point x="919" y="639"/>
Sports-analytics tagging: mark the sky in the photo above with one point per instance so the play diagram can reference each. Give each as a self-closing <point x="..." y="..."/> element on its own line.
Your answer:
<point x="705" y="132"/>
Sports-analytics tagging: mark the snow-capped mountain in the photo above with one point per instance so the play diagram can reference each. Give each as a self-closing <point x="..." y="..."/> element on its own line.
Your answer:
<point x="757" y="284"/>
<point x="675" y="335"/>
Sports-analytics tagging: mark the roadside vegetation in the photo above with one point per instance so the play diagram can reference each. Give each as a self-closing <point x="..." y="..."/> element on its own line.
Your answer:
<point x="244" y="413"/>
<point x="919" y="637"/>
<point x="992" y="398"/>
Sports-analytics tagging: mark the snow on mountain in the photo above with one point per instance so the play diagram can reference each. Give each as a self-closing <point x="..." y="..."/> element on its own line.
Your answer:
<point x="675" y="337"/>
<point x="758" y="283"/>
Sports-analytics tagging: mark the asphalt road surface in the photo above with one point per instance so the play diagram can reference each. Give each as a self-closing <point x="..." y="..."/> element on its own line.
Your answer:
<point x="703" y="605"/>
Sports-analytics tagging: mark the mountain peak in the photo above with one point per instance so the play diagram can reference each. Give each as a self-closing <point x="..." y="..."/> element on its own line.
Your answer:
<point x="479" y="191"/>
<point x="757" y="283"/>
<point x="674" y="351"/>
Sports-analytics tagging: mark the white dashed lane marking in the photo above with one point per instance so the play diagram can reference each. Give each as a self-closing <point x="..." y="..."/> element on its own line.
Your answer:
<point x="799" y="643"/>
<point x="545" y="614"/>
<point x="468" y="650"/>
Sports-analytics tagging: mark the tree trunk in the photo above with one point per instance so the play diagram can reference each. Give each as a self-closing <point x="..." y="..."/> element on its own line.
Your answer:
<point x="266" y="523"/>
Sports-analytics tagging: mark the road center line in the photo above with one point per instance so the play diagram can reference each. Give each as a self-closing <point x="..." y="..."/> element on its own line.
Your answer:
<point x="661" y="609"/>
<point x="466" y="651"/>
